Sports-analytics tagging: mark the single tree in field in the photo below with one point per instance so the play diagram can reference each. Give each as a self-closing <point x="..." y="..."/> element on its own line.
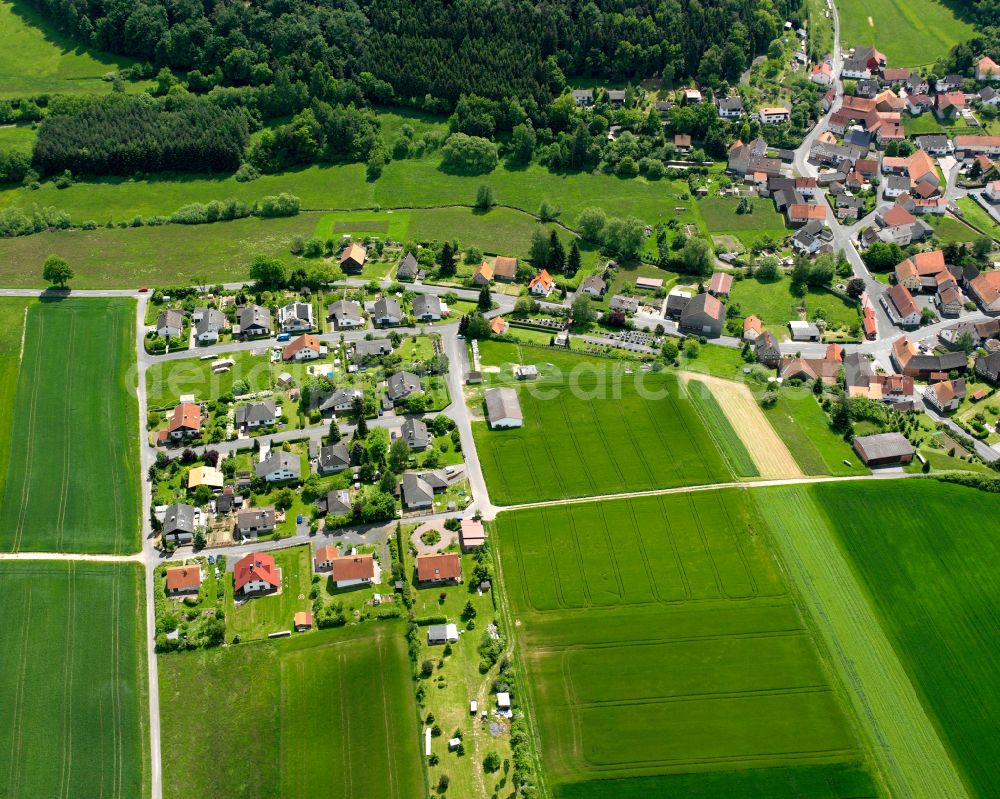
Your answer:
<point x="56" y="271"/>
<point x="485" y="199"/>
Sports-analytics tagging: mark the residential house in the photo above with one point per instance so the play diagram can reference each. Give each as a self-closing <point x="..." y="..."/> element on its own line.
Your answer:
<point x="336" y="503"/>
<point x="594" y="285"/>
<point x="352" y="259"/>
<point x="721" y="284"/>
<point x="992" y="191"/>
<point x="498" y="325"/>
<point x="915" y="84"/>
<point x="179" y="523"/>
<point x="542" y="284"/>
<point x="417" y="492"/>
<point x="810" y="369"/>
<point x="443" y="634"/>
<point x="767" y="350"/>
<point x="987" y="69"/>
<point x="801" y="213"/>
<point x="894" y="76"/>
<point x="306" y="347"/>
<point x="624" y="304"/>
<point x="682" y="142"/>
<point x="822" y="74"/>
<point x="848" y="207"/>
<point x="677" y="301"/>
<point x="205" y="476"/>
<point x="369" y="349"/>
<point x="504" y="268"/>
<point x="855" y="69"/>
<point x="866" y="87"/>
<point x="617" y="97"/>
<point x="883" y="449"/>
<point x="333" y="459"/>
<point x="185" y="421"/>
<point x="900" y="305"/>
<point x="751" y="328"/>
<point x="949" y="105"/>
<point x="916" y="104"/>
<point x="895" y="185"/>
<point x="989" y="96"/>
<point x="414" y="433"/>
<point x="252" y="522"/>
<point x="949" y="299"/>
<point x="985" y="290"/>
<point x="483" y="274"/>
<point x="934" y="143"/>
<point x="208" y="324"/>
<point x="386" y="312"/>
<point x="345" y="314"/>
<point x="503" y="410"/>
<point x="338" y="401"/>
<point x="807" y="187"/>
<point x="691" y="96"/>
<point x="254" y="321"/>
<point x="704" y="315"/>
<point x="401" y="384"/>
<point x="256" y="573"/>
<point x="947" y="395"/>
<point x="583" y="97"/>
<point x="975" y="145"/>
<point x="296" y="317"/>
<point x="920" y="271"/>
<point x="170" y="324"/>
<point x="774" y="115"/>
<point x="351" y="570"/>
<point x="730" y="107"/>
<point x="408" y="268"/>
<point x="948" y="83"/>
<point x="183" y="579"/>
<point x="444" y="567"/>
<point x="988" y="367"/>
<point x="427" y="308"/>
<point x="279" y="466"/>
<point x="256" y="415"/>
<point x="812" y="237"/>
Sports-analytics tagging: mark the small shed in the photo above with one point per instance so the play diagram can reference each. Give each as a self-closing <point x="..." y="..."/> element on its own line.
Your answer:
<point x="503" y="700"/>
<point x="454" y="743"/>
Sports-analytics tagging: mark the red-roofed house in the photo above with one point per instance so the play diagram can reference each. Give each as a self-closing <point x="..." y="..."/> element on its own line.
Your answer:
<point x="949" y="104"/>
<point x="304" y="348"/>
<point x="900" y="305"/>
<point x="256" y="573"/>
<point x="185" y="421"/>
<point x="985" y="290"/>
<point x="800" y="213"/>
<point x="183" y="579"/>
<point x="988" y="145"/>
<point x="542" y="284"/>
<point x="751" y="328"/>
<point x="441" y="568"/>
<point x="346" y="570"/>
<point x="822" y="74"/>
<point x="498" y="325"/>
<point x="987" y="69"/>
<point x="721" y="285"/>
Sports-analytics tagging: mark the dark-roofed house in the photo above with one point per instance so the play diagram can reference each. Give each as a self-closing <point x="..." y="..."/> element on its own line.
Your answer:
<point x="370" y="349"/>
<point x="408" y="268"/>
<point x="251" y="522"/>
<point x="336" y="503"/>
<point x="988" y="367"/>
<point x="256" y="573"/>
<point x="333" y="458"/>
<point x="445" y="567"/>
<point x="503" y="409"/>
<point x="345" y="314"/>
<point x="730" y="107"/>
<point x="767" y="350"/>
<point x="256" y="414"/>
<point x="883" y="449"/>
<point x="178" y="523"/>
<point x="676" y="303"/>
<point x="704" y="315"/>
<point x="340" y="400"/>
<point x="594" y="285"/>
<point x="426" y="308"/>
<point x="857" y="370"/>
<point x="279" y="466"/>
<point x="352" y="259"/>
<point x="254" y="321"/>
<point x="386" y="311"/>
<point x="583" y="97"/>
<point x="208" y="324"/>
<point x="417" y="493"/>
<point x="414" y="433"/>
<point x="296" y="317"/>
<point x="170" y="324"/>
<point x="401" y="385"/>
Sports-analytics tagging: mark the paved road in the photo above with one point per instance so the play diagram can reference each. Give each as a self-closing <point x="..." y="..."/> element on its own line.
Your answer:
<point x="801" y="162"/>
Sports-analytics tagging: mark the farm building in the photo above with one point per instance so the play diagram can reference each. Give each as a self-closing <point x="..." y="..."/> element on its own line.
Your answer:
<point x="503" y="408"/>
<point x="183" y="580"/>
<point x="883" y="449"/>
<point x="352" y="260"/>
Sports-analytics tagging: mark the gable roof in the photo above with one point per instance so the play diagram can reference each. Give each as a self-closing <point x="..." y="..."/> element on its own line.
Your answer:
<point x="505" y="266"/>
<point x="485" y="269"/>
<point x="353" y="252"/>
<point x="183" y="578"/>
<point x="502" y="403"/>
<point x="722" y="283"/>
<point x="544" y="279"/>
<point x="902" y="300"/>
<point x="303" y="342"/>
<point x="277" y="461"/>
<point x="186" y="416"/>
<point x="352" y="567"/>
<point x="897" y="215"/>
<point x="179" y="518"/>
<point x="443" y="566"/>
<point x="408" y="267"/>
<point x="256" y="566"/>
<point x="706" y="304"/>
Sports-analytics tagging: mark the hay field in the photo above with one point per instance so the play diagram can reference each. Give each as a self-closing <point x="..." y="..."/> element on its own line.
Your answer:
<point x="73" y="702"/>
<point x="75" y="432"/>
<point x="659" y="638"/>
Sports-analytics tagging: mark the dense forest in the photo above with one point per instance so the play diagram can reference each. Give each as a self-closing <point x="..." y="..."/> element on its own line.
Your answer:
<point x="405" y="50"/>
<point x="122" y="134"/>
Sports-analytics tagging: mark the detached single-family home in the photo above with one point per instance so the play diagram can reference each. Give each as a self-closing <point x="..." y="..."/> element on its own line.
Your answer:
<point x="444" y="567"/>
<point x="822" y="74"/>
<point x="296" y="317"/>
<point x="352" y="259"/>
<point x="498" y="325"/>
<point x="442" y="634"/>
<point x="594" y="286"/>
<point x="251" y="522"/>
<point x="987" y="69"/>
<point x="183" y="579"/>
<point x="256" y="573"/>
<point x="369" y="349"/>
<point x="414" y="433"/>
<point x="254" y="321"/>
<point x="767" y="350"/>
<point x="185" y="421"/>
<point x="340" y="400"/>
<point x="427" y="308"/>
<point x="542" y="284"/>
<point x="704" y="315"/>
<point x="616" y="97"/>
<point x="976" y="145"/>
<point x="988" y="367"/>
<point x="205" y="476"/>
<point x="503" y="410"/>
<point x="730" y="107"/>
<point x="305" y="348"/>
<point x="208" y="324"/>
<point x="279" y="466"/>
<point x="985" y="290"/>
<point x="504" y="268"/>
<point x="900" y="305"/>
<point x="178" y="523"/>
<point x="773" y="115"/>
<point x="992" y="191"/>
<point x="751" y="328"/>
<point x="333" y="458"/>
<point x="401" y="384"/>
<point x="408" y="268"/>
<point x="801" y="213"/>
<point x="947" y="395"/>
<point x="418" y="493"/>
<point x="336" y="503"/>
<point x="884" y="449"/>
<point x="386" y="312"/>
<point x="256" y="414"/>
<point x="345" y="314"/>
<point x="346" y="570"/>
<point x="170" y="324"/>
<point x="583" y="97"/>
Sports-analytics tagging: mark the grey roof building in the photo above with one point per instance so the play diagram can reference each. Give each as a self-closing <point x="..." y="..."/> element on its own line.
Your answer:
<point x="374" y="348"/>
<point x="208" y="323"/>
<point x="345" y="314"/>
<point x="426" y="307"/>
<point x="408" y="268"/>
<point x="386" y="311"/>
<point x="416" y="492"/>
<point x="169" y="323"/>
<point x="339" y="400"/>
<point x="415" y="434"/>
<point x="336" y="503"/>
<point x="278" y="466"/>
<point x="255" y="520"/>
<point x="257" y="414"/>
<point x="624" y="304"/>
<point x="503" y="409"/>
<point x="333" y="458"/>
<point x="402" y="384"/>
<point x="178" y="523"/>
<point x="883" y="449"/>
<point x="857" y="370"/>
<point x="254" y="320"/>
<point x="296" y="317"/>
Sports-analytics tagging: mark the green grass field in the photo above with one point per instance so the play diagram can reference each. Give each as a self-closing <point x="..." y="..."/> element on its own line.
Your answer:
<point x="591" y="429"/>
<point x="75" y="432"/>
<point x="35" y="59"/>
<point x="12" y="314"/>
<point x="329" y="713"/>
<point x="258" y="617"/>
<point x="801" y="423"/>
<point x="721" y="219"/>
<point x="73" y="701"/>
<point x="775" y="304"/>
<point x="910" y="33"/>
<point x="948" y="228"/>
<point x="926" y="555"/>
<point x="167" y="380"/>
<point x="659" y="638"/>
<point x="722" y="430"/>
<point x="973" y="212"/>
<point x="20" y="138"/>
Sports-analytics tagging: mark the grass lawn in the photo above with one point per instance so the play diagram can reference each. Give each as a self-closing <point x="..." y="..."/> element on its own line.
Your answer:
<point x="911" y="33"/>
<point x="590" y="428"/>
<point x="948" y="228"/>
<point x="12" y="314"/>
<point x="75" y="434"/>
<point x="919" y="125"/>
<point x="775" y="304"/>
<point x="20" y="138"/>
<point x="974" y="213"/>
<point x="35" y="59"/>
<point x="803" y="426"/>
<point x="659" y="637"/>
<point x="721" y="219"/>
<point x="73" y="703"/>
<point x="926" y="555"/>
<point x="256" y="618"/>
<point x="327" y="713"/>
<point x="166" y="381"/>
